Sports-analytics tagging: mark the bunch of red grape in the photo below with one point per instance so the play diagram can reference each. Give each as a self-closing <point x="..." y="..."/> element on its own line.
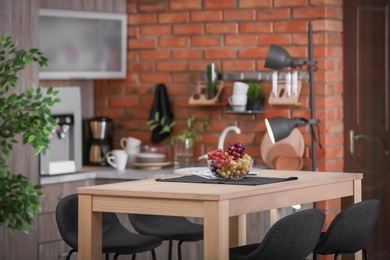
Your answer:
<point x="232" y="164"/>
<point x="237" y="150"/>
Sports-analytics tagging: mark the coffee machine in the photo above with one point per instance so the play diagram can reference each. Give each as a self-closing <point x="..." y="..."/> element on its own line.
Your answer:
<point x="64" y="153"/>
<point x="98" y="133"/>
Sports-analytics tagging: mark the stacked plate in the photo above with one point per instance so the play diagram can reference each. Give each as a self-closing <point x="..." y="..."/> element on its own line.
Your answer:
<point x="151" y="161"/>
<point x="150" y="157"/>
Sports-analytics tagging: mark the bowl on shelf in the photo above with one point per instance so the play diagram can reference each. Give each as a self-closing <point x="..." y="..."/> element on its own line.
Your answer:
<point x="230" y="169"/>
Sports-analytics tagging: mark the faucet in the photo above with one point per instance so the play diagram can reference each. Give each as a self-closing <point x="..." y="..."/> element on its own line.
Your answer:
<point x="225" y="131"/>
<point x="222" y="137"/>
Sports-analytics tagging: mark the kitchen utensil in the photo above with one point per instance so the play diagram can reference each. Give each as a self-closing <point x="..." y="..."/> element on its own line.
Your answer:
<point x="295" y="139"/>
<point x="279" y="149"/>
<point x="288" y="162"/>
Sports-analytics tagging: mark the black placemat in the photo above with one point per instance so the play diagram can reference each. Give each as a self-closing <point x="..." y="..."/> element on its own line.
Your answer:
<point x="244" y="181"/>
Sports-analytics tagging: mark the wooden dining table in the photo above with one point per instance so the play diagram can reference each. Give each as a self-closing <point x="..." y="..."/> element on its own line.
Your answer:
<point x="222" y="207"/>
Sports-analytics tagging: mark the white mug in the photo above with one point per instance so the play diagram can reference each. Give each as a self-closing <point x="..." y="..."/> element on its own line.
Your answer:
<point x="117" y="159"/>
<point x="240" y="88"/>
<point x="238" y="100"/>
<point x="132" y="146"/>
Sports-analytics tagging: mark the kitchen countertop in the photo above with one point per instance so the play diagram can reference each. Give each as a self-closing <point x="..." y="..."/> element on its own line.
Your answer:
<point x="90" y="172"/>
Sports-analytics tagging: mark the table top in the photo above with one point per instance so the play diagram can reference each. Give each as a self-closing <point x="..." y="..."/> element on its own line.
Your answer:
<point x="150" y="188"/>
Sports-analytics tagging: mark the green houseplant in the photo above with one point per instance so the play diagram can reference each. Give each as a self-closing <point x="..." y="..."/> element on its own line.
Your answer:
<point x="25" y="114"/>
<point x="255" y="96"/>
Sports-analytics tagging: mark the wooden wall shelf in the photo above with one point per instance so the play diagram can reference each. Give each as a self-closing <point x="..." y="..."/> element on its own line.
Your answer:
<point x="201" y="92"/>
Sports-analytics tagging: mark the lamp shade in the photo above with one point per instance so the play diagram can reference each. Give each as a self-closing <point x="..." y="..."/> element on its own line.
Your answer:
<point x="280" y="127"/>
<point x="278" y="58"/>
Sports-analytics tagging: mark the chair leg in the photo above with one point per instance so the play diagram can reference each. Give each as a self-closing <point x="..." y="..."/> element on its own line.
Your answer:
<point x="336" y="256"/>
<point x="153" y="254"/>
<point x="134" y="256"/>
<point x="179" y="249"/>
<point x="116" y="256"/>
<point x="170" y="250"/>
<point x="365" y="253"/>
<point x="108" y="256"/>
<point x="70" y="254"/>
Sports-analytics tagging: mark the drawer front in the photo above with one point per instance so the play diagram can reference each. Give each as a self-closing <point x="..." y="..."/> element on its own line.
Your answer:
<point x="54" y="192"/>
<point x="48" y="230"/>
<point x="54" y="250"/>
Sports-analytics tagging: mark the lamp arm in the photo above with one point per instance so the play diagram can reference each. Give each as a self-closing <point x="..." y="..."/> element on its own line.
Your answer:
<point x="297" y="63"/>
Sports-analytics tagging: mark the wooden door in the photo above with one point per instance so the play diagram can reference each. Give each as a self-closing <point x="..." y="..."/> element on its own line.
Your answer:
<point x="367" y="107"/>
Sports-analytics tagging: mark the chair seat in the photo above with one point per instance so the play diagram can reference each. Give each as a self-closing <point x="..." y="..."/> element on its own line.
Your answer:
<point x="115" y="237"/>
<point x="238" y="252"/>
<point x="119" y="240"/>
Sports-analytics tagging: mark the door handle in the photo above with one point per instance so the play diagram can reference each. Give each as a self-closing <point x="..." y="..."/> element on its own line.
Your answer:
<point x="352" y="138"/>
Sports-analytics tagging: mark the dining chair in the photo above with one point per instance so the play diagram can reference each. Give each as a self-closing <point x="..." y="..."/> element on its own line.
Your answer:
<point x="115" y="237"/>
<point x="292" y="237"/>
<point x="168" y="228"/>
<point x="350" y="230"/>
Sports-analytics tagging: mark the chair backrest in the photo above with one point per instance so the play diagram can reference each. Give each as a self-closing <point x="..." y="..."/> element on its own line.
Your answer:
<point x="350" y="229"/>
<point x="292" y="237"/>
<point x="67" y="219"/>
<point x="67" y="212"/>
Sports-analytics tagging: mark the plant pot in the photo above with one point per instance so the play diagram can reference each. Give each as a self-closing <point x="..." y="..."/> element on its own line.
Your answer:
<point x="255" y="105"/>
<point x="183" y="151"/>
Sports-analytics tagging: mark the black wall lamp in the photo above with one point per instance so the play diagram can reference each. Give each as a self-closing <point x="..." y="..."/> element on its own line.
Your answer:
<point x="280" y="127"/>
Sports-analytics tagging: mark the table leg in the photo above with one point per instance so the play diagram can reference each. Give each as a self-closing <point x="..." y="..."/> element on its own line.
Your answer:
<point x="216" y="230"/>
<point x="90" y="230"/>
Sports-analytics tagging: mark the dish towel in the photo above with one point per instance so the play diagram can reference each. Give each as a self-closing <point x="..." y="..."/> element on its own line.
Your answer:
<point x="163" y="105"/>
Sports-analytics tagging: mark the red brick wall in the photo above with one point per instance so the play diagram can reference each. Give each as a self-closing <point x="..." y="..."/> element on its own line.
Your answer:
<point x="172" y="41"/>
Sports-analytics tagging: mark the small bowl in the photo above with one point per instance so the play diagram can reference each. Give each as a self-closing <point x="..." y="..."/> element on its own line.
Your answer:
<point x="230" y="169"/>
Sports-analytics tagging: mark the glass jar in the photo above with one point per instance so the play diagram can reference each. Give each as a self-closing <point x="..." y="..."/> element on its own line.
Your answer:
<point x="183" y="151"/>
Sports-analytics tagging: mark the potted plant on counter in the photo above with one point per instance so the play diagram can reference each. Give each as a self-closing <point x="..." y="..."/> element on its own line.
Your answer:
<point x="255" y="97"/>
<point x="183" y="142"/>
<point x="28" y="115"/>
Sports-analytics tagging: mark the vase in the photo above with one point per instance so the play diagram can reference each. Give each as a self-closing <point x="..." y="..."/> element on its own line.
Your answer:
<point x="255" y="105"/>
<point x="211" y="90"/>
<point x="183" y="151"/>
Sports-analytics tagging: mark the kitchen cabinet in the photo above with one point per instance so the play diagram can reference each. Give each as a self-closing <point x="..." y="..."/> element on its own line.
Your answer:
<point x="50" y="244"/>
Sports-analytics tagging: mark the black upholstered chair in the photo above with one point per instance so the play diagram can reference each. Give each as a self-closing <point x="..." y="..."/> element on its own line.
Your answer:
<point x="350" y="230"/>
<point x="292" y="237"/>
<point x="167" y="228"/>
<point x="116" y="238"/>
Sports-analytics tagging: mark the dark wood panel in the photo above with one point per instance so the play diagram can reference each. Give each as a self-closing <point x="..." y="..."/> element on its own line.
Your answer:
<point x="18" y="18"/>
<point x="367" y="109"/>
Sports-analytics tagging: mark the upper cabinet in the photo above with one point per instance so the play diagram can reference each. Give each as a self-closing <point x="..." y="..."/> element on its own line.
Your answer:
<point x="83" y="45"/>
